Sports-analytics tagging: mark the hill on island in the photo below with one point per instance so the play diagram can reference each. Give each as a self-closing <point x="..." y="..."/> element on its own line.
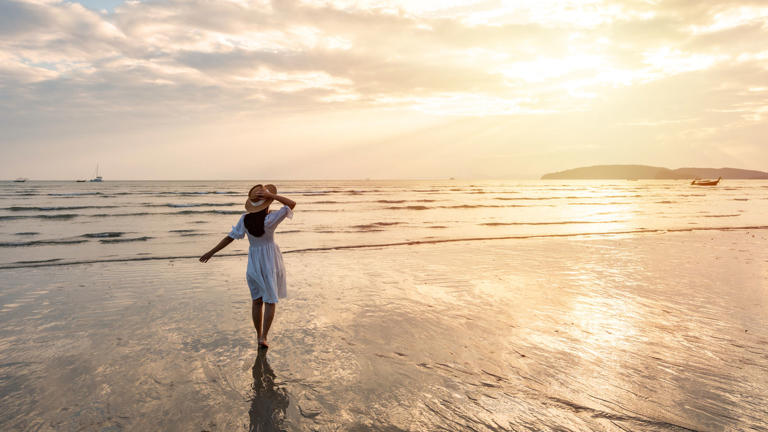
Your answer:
<point x="621" y="172"/>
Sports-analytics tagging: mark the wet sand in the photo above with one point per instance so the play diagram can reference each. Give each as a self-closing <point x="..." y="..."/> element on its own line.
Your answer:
<point x="643" y="333"/>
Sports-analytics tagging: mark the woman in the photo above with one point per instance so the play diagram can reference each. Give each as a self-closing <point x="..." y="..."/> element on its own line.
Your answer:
<point x="265" y="273"/>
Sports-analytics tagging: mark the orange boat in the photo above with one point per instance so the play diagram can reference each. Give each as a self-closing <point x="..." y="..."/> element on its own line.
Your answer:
<point x="698" y="182"/>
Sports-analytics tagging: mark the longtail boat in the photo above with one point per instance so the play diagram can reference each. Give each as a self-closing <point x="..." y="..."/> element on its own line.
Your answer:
<point x="698" y="182"/>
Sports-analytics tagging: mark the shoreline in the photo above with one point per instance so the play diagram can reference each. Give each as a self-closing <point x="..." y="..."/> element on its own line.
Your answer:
<point x="55" y="262"/>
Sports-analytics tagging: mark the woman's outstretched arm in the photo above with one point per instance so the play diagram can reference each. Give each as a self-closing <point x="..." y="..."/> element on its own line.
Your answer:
<point x="222" y="244"/>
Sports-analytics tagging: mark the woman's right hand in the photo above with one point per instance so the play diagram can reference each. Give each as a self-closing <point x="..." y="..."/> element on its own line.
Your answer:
<point x="264" y="195"/>
<point x="206" y="257"/>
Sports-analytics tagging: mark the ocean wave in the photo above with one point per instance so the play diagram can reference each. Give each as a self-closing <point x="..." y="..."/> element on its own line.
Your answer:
<point x="394" y="244"/>
<point x="41" y="243"/>
<point x="535" y="198"/>
<point x="184" y="205"/>
<point x="458" y="206"/>
<point x="73" y="194"/>
<point x="103" y="215"/>
<point x="194" y="193"/>
<point x="55" y="208"/>
<point x="70" y="196"/>
<point x="376" y="226"/>
<point x="601" y="203"/>
<point x="27" y="233"/>
<point x="223" y="212"/>
<point x="545" y="198"/>
<point x="413" y="207"/>
<point x="722" y="215"/>
<point x="56" y="216"/>
<point x="550" y="223"/>
<point x="106" y="234"/>
<point x="381" y="201"/>
<point x="466" y="206"/>
<point x="125" y="240"/>
<point x="182" y="212"/>
<point x="52" y="260"/>
<point x="186" y="232"/>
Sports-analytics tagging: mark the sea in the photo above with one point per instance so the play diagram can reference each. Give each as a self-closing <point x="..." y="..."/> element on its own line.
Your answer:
<point x="45" y="223"/>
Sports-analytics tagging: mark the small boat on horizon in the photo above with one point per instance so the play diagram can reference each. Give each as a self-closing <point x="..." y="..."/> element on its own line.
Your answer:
<point x="699" y="182"/>
<point x="20" y="180"/>
<point x="97" y="178"/>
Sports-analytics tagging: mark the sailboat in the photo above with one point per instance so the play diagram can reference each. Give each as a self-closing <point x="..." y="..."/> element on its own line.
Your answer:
<point x="97" y="178"/>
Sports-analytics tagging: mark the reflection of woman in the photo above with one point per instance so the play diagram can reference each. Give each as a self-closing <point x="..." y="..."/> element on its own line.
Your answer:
<point x="269" y="401"/>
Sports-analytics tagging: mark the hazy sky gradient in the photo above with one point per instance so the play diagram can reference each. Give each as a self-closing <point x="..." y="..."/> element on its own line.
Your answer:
<point x="239" y="89"/>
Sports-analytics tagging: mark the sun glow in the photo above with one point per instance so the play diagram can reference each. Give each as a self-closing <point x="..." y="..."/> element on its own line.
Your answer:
<point x="571" y="81"/>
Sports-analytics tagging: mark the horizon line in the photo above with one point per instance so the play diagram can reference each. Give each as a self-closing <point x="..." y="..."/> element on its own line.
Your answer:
<point x="285" y="179"/>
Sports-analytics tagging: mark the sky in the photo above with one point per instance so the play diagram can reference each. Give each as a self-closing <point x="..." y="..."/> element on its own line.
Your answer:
<point x="344" y="89"/>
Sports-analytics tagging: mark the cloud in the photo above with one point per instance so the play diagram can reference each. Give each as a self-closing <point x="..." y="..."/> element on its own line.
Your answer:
<point x="193" y="61"/>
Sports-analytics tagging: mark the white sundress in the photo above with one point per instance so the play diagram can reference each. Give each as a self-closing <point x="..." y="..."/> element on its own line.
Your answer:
<point x="265" y="273"/>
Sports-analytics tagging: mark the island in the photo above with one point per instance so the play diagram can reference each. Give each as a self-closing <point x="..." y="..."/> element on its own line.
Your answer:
<point x="637" y="172"/>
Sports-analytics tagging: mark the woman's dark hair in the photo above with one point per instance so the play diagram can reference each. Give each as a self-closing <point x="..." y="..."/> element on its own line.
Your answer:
<point x="254" y="222"/>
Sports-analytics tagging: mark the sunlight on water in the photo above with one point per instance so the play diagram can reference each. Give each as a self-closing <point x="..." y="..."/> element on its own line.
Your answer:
<point x="59" y="222"/>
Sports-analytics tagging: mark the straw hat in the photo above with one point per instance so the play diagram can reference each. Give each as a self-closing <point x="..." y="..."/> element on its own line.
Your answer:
<point x="253" y="204"/>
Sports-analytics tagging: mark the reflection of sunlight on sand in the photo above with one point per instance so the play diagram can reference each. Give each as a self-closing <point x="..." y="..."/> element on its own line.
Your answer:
<point x="641" y="333"/>
<point x="604" y="323"/>
<point x="592" y="340"/>
<point x="505" y="288"/>
<point x="439" y="293"/>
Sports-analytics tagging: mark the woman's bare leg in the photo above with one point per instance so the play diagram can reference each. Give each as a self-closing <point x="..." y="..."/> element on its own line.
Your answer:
<point x="269" y="314"/>
<point x="256" y="315"/>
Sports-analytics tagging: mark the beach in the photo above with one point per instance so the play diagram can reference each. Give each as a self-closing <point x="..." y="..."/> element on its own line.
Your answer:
<point x="474" y="216"/>
<point x="649" y="331"/>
